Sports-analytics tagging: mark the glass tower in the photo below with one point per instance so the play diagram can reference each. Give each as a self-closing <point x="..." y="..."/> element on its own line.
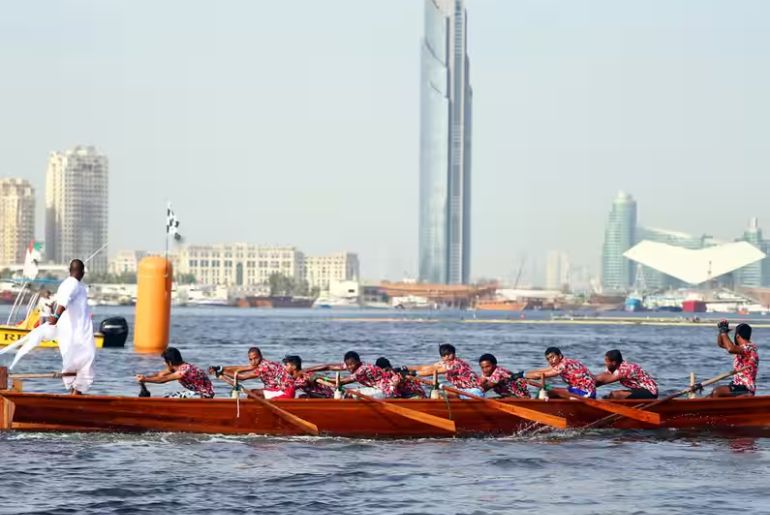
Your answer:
<point x="619" y="236"/>
<point x="445" y="145"/>
<point x="752" y="276"/>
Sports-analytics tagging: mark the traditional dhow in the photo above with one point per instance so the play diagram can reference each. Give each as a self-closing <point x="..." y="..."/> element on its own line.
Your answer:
<point x="360" y="418"/>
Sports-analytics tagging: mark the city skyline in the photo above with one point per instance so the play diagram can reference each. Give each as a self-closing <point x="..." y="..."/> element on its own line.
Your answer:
<point x="562" y="120"/>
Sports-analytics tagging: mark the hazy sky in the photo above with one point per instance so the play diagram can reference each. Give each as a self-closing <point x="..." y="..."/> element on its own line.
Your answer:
<point x="296" y="122"/>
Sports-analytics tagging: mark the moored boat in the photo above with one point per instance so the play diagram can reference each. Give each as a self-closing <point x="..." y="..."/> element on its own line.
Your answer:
<point x="353" y="418"/>
<point x="113" y="332"/>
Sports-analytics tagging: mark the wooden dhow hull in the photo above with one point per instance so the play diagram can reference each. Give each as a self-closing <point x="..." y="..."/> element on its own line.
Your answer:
<point x="348" y="418"/>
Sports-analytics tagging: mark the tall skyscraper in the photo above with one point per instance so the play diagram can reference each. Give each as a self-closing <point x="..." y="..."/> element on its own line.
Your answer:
<point x="17" y="220"/>
<point x="445" y="145"/>
<point x="752" y="276"/>
<point x="619" y="236"/>
<point x="76" y="206"/>
<point x="557" y="271"/>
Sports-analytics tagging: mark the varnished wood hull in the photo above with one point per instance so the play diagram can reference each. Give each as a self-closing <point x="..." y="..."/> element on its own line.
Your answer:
<point x="350" y="418"/>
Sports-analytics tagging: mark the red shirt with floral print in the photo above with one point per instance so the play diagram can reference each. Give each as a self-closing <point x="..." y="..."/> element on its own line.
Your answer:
<point x="195" y="379"/>
<point x="748" y="357"/>
<point x="305" y="383"/>
<point x="576" y="375"/>
<point x="460" y="374"/>
<point x="372" y="376"/>
<point x="406" y="388"/>
<point x="502" y="382"/>
<point x="273" y="376"/>
<point x="634" y="377"/>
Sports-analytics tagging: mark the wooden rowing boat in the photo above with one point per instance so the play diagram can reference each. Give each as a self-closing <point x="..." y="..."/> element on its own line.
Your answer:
<point x="350" y="418"/>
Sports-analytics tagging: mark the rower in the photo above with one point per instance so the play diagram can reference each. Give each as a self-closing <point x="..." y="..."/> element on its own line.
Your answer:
<point x="305" y="384"/>
<point x="195" y="381"/>
<point x="579" y="380"/>
<point x="403" y="386"/>
<point x="375" y="381"/>
<point x="501" y="380"/>
<point x="746" y="357"/>
<point x="457" y="371"/>
<point x="640" y="384"/>
<point x="276" y="381"/>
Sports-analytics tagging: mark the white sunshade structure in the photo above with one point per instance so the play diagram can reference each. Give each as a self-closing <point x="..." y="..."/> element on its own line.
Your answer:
<point x="694" y="266"/>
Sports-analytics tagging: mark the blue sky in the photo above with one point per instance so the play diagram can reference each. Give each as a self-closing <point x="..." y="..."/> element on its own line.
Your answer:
<point x="297" y="122"/>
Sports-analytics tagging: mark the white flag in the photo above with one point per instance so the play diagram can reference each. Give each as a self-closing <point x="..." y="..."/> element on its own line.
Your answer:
<point x="172" y="223"/>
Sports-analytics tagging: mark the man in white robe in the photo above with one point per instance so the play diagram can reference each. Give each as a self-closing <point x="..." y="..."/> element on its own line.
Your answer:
<point x="75" y="331"/>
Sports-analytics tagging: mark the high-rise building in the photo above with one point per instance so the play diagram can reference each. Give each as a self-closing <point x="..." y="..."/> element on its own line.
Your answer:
<point x="619" y="236"/>
<point x="17" y="220"/>
<point x="321" y="271"/>
<point x="76" y="206"/>
<point x="752" y="276"/>
<point x="445" y="145"/>
<point x="557" y="271"/>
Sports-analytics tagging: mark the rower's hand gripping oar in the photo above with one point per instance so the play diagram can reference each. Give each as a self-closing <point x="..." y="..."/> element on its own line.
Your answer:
<point x="300" y="423"/>
<point x="525" y="413"/>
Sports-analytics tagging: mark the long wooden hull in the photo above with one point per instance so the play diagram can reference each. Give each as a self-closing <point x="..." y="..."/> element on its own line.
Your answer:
<point x="349" y="418"/>
<point x="10" y="334"/>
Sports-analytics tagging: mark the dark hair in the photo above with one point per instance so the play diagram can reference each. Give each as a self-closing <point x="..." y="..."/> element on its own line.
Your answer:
<point x="352" y="356"/>
<point x="293" y="359"/>
<point x="255" y="350"/>
<point x="383" y="363"/>
<point x="553" y="350"/>
<point x="488" y="357"/>
<point x="614" y="355"/>
<point x="446" y="349"/>
<point x="172" y="356"/>
<point x="77" y="265"/>
<point x="744" y="331"/>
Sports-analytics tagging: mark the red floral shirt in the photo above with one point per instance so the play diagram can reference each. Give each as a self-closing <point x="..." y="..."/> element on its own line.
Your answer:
<point x="274" y="376"/>
<point x="306" y="384"/>
<point x="374" y="377"/>
<point x="195" y="379"/>
<point x="576" y="375"/>
<point x="406" y="388"/>
<point x="460" y="374"/>
<point x="634" y="377"/>
<point x="502" y="382"/>
<point x="749" y="357"/>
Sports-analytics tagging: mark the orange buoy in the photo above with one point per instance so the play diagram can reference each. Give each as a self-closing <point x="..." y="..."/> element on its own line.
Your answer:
<point x="153" y="305"/>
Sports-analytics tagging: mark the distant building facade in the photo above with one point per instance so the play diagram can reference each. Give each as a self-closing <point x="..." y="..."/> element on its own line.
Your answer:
<point x="445" y="145"/>
<point x="557" y="271"/>
<point x="321" y="271"/>
<point x="239" y="264"/>
<point x="126" y="262"/>
<point x="76" y="214"/>
<point x="755" y="274"/>
<point x="619" y="236"/>
<point x="17" y="220"/>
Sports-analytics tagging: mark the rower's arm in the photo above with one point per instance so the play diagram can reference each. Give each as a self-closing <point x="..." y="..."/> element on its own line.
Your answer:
<point x="542" y="372"/>
<point x="427" y="370"/>
<point x="161" y="377"/>
<point x="728" y="345"/>
<point x="323" y="368"/>
<point x="606" y="378"/>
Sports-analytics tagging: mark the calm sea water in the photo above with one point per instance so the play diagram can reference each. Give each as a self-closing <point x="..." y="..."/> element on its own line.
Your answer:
<point x="568" y="472"/>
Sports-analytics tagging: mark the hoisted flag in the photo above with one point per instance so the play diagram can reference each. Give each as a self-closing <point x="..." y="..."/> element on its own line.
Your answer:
<point x="172" y="223"/>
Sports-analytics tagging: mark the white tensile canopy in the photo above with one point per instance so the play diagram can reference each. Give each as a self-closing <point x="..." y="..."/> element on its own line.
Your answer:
<point x="694" y="266"/>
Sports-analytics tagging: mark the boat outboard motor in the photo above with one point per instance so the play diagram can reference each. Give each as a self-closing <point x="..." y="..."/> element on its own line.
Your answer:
<point x="115" y="331"/>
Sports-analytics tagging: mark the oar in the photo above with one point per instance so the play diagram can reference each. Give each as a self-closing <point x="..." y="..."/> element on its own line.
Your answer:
<point x="419" y="416"/>
<point x="525" y="413"/>
<point x="648" y="405"/>
<point x="304" y="425"/>
<point x="634" y="413"/>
